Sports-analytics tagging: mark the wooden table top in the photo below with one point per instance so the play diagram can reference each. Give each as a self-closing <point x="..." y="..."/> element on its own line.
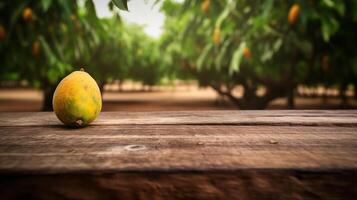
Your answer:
<point x="312" y="140"/>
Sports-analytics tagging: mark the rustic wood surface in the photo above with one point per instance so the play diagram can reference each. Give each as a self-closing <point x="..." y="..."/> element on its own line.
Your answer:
<point x="272" y="117"/>
<point x="181" y="155"/>
<point x="212" y="185"/>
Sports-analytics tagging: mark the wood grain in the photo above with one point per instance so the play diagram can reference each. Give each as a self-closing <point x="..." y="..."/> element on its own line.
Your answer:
<point x="274" y="117"/>
<point x="212" y="185"/>
<point x="181" y="155"/>
<point x="176" y="147"/>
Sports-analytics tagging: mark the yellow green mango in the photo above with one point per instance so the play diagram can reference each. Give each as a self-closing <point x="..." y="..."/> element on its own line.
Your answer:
<point x="77" y="99"/>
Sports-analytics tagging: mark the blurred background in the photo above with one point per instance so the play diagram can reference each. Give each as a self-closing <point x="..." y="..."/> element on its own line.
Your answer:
<point x="182" y="54"/>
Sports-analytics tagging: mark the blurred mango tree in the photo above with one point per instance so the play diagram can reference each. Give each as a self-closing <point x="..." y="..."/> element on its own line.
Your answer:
<point x="42" y="41"/>
<point x="144" y="60"/>
<point x="267" y="47"/>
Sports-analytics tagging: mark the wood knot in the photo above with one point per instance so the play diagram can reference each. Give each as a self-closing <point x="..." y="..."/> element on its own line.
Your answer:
<point x="134" y="147"/>
<point x="273" y="142"/>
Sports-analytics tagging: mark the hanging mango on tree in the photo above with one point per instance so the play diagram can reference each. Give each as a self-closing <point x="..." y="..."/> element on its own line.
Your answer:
<point x="205" y="5"/>
<point x="36" y="48"/>
<point x="27" y="14"/>
<point x="217" y="36"/>
<point x="246" y="53"/>
<point x="294" y="13"/>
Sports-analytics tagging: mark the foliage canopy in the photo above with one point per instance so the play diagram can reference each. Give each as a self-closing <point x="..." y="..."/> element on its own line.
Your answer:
<point x="264" y="45"/>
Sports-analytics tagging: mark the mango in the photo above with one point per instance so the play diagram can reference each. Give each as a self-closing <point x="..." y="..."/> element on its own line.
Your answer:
<point x="246" y="53"/>
<point x="294" y="13"/>
<point x="217" y="36"/>
<point x="77" y="99"/>
<point x="36" y="48"/>
<point x="205" y="6"/>
<point x="27" y="14"/>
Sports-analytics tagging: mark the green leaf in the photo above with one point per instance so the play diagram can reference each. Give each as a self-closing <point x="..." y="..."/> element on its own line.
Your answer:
<point x="329" y="3"/>
<point x="340" y="7"/>
<point x="329" y="27"/>
<point x="236" y="58"/>
<point x="121" y="4"/>
<point x="204" y="55"/>
<point x="91" y="12"/>
<point x="268" y="5"/>
<point x="222" y="17"/>
<point x="222" y="53"/>
<point x="189" y="26"/>
<point x="267" y="53"/>
<point x="277" y="44"/>
<point x="227" y="10"/>
<point x="46" y="4"/>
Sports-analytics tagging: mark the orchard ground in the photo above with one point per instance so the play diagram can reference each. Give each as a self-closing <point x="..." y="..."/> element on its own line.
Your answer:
<point x="183" y="96"/>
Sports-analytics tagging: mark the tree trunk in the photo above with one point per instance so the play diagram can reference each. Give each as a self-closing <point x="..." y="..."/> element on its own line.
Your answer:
<point x="343" y="96"/>
<point x="101" y="87"/>
<point x="290" y="99"/>
<point x="47" y="97"/>
<point x="355" y="90"/>
<point x="120" y="85"/>
<point x="249" y="101"/>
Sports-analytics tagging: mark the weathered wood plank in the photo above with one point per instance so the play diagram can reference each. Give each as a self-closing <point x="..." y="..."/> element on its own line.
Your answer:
<point x="247" y="184"/>
<point x="55" y="149"/>
<point x="181" y="155"/>
<point x="281" y="117"/>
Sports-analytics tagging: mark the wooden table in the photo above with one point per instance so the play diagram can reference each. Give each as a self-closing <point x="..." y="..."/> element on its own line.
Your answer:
<point x="181" y="155"/>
